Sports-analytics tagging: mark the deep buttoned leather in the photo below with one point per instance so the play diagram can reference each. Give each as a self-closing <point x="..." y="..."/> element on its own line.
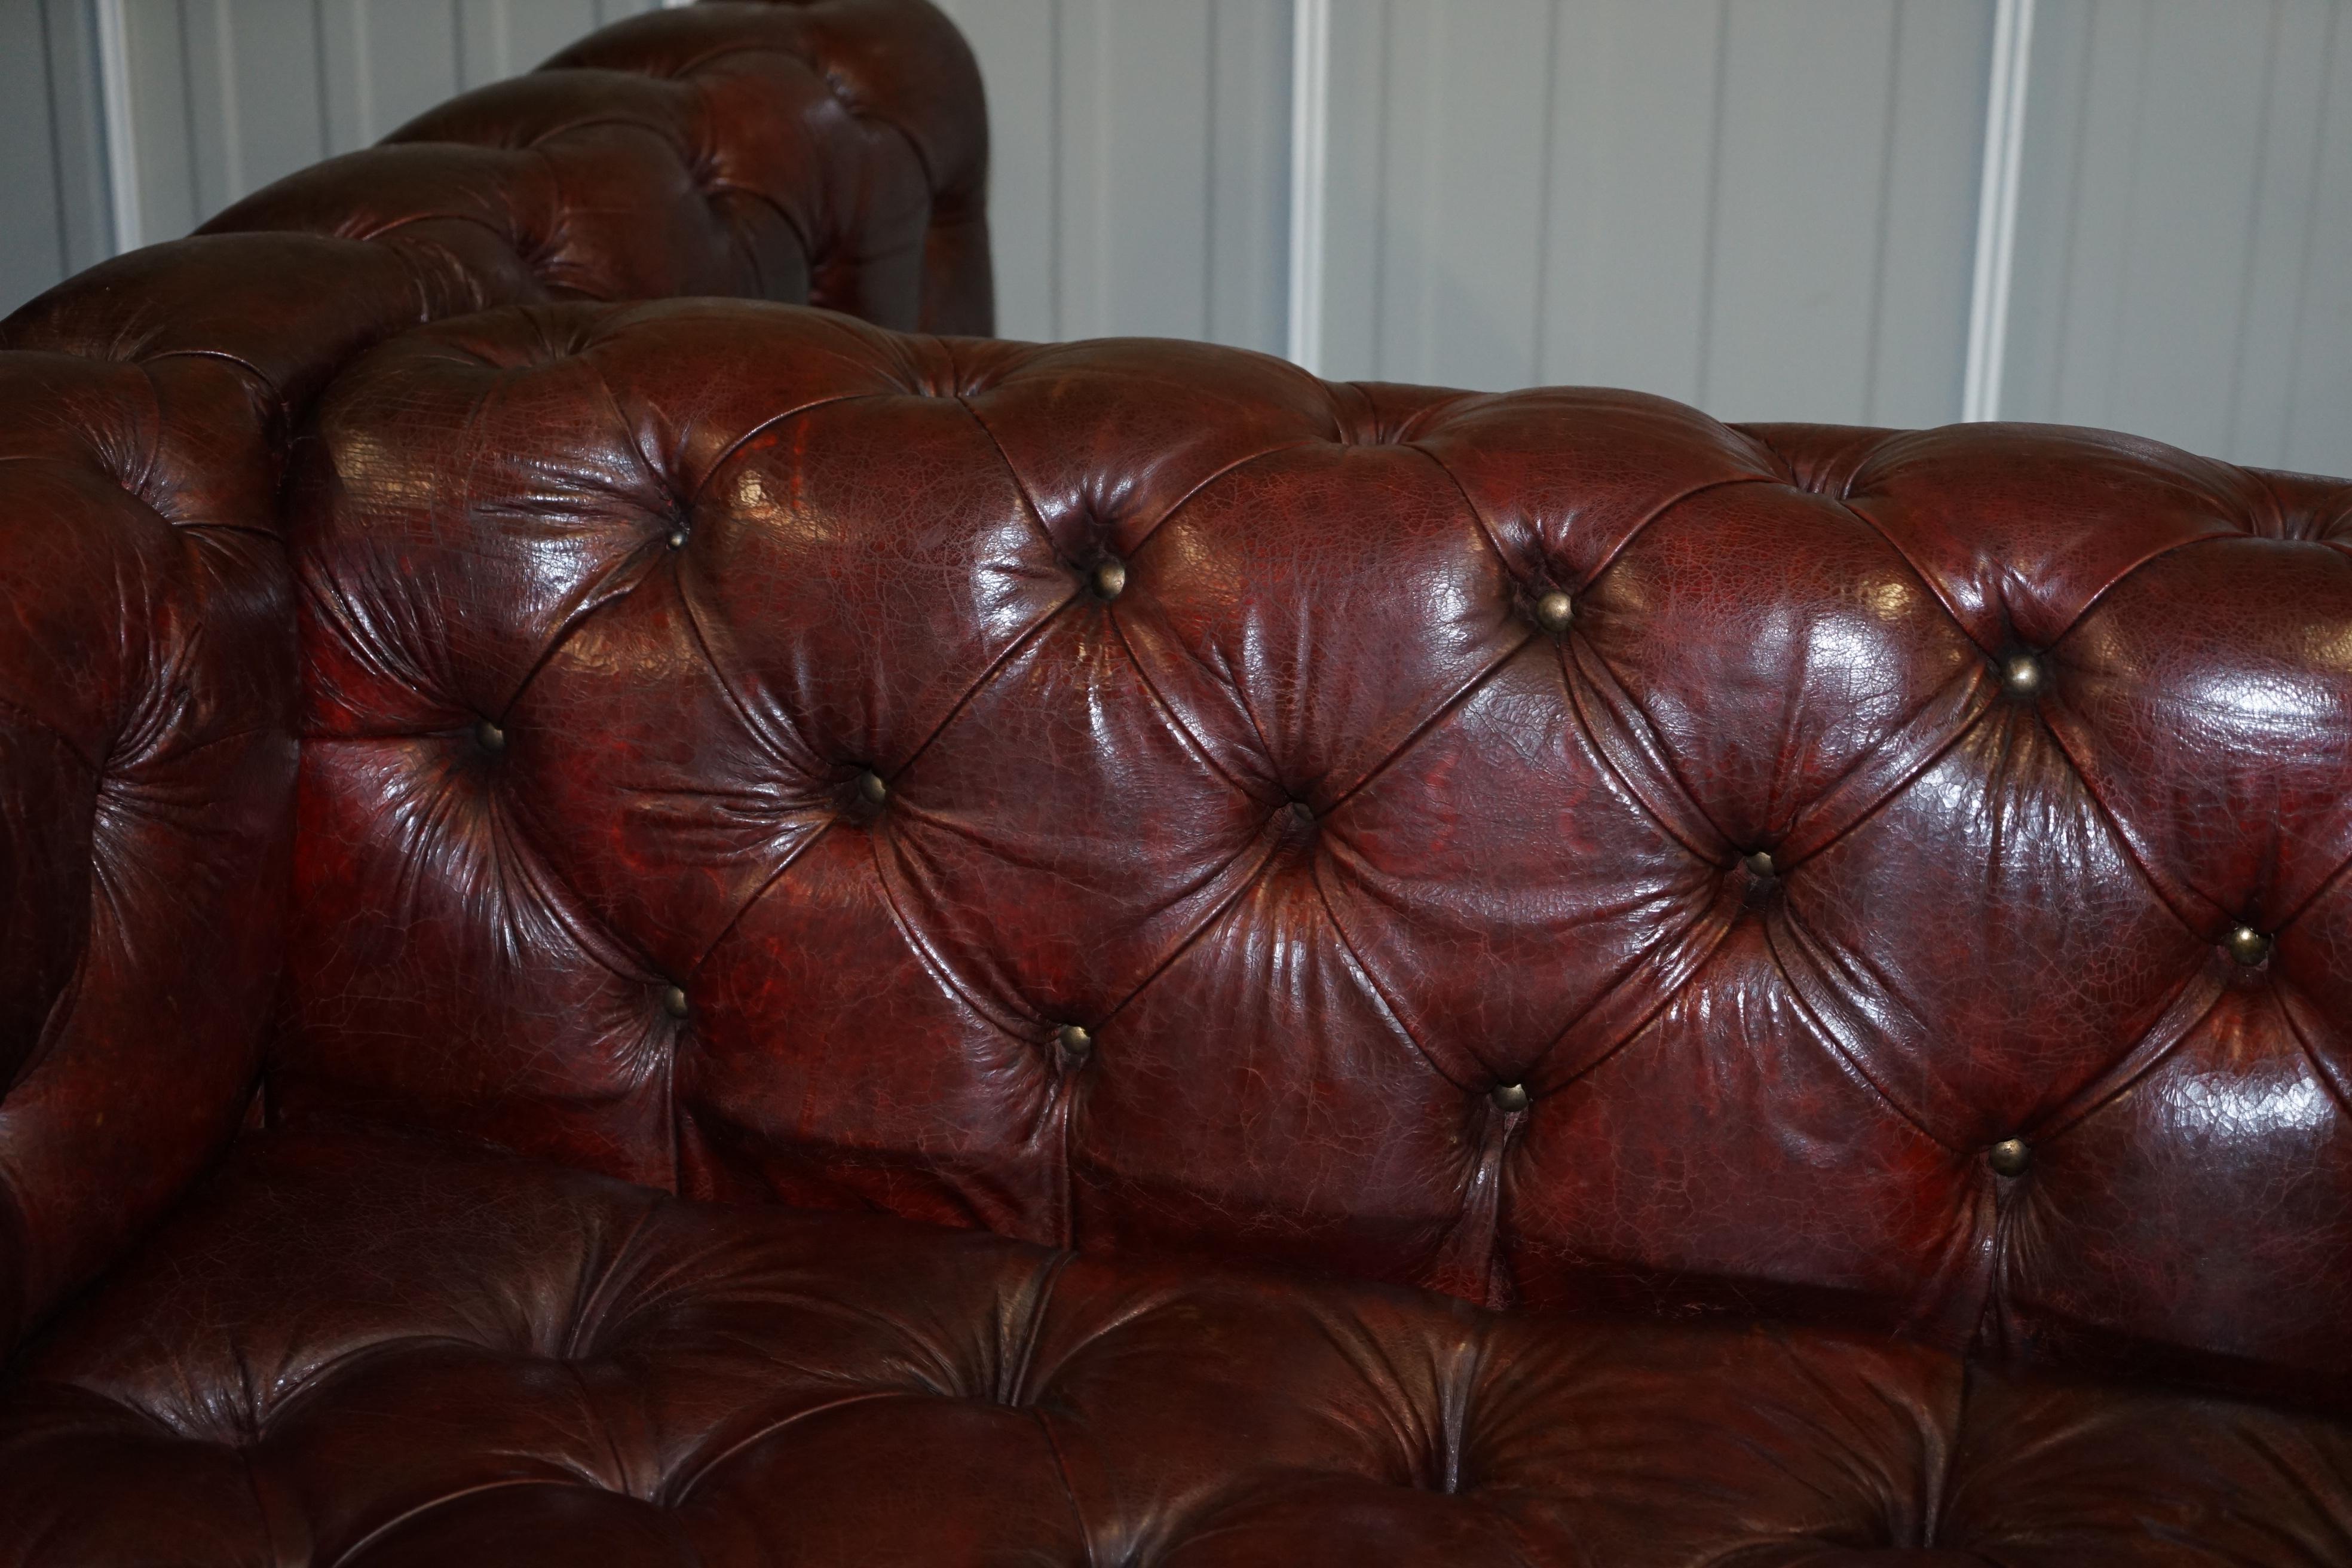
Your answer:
<point x="1527" y="979"/>
<point x="1513" y="1010"/>
<point x="835" y="150"/>
<point x="367" y="1351"/>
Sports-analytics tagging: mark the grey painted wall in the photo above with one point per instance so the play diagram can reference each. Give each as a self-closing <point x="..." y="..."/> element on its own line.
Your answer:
<point x="2184" y="264"/>
<point x="1767" y="207"/>
<point x="53" y="184"/>
<point x="230" y="94"/>
<point x="1142" y="165"/>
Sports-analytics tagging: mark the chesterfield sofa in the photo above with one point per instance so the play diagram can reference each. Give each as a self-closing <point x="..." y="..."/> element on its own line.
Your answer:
<point x="838" y="946"/>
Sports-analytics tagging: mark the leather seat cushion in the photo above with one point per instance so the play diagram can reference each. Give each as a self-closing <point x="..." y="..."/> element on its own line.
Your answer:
<point x="356" y="1347"/>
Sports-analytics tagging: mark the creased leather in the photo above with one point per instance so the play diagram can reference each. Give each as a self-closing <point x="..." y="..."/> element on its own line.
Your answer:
<point x="365" y="1350"/>
<point x="835" y="150"/>
<point x="1323" y="839"/>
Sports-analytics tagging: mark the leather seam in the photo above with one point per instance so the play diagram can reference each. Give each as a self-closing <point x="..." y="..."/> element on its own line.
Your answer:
<point x="1192" y="742"/>
<point x="1185" y="944"/>
<point x="1379" y="993"/>
<point x="1829" y="1036"/>
<point x="1069" y="1487"/>
<point x="1451" y="704"/>
<point x="2327" y="1083"/>
<point x="58" y="737"/>
<point x="675" y="1492"/>
<point x="1634" y="1030"/>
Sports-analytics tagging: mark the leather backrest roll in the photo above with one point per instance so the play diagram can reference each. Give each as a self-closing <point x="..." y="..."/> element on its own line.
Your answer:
<point x="1553" y="846"/>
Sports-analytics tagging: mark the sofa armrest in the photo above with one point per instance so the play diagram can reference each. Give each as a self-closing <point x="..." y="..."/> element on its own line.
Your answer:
<point x="146" y="768"/>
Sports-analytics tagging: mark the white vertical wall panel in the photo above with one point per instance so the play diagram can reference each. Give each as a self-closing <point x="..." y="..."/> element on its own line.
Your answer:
<point x="2181" y="270"/>
<point x="2319" y="421"/>
<point x="1249" y="167"/>
<point x="1767" y="207"/>
<point x="1354" y="189"/>
<point x="1633" y="147"/>
<point x="1926" y="240"/>
<point x="1132" y="214"/>
<point x="1017" y="42"/>
<point x="1763" y="206"/>
<point x="256" y="97"/>
<point x="162" y="125"/>
<point x="1462" y="151"/>
<point x="52" y="147"/>
<point x="1803" y="136"/>
<point x="382" y="62"/>
<point x="1139" y="165"/>
<point x="227" y="95"/>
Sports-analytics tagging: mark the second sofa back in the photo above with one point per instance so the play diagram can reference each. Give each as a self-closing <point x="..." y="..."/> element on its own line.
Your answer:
<point x="833" y="152"/>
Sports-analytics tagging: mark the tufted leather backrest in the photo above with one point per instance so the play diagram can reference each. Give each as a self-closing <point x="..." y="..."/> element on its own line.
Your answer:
<point x="834" y="149"/>
<point x="1554" y="846"/>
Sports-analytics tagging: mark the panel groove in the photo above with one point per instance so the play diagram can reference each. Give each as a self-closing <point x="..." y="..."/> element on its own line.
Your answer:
<point x="1060" y="292"/>
<point x="1379" y="250"/>
<point x="1879" y="230"/>
<point x="59" y="133"/>
<point x="2248" y="240"/>
<point x="2121" y="295"/>
<point x="1310" y="180"/>
<point x="1208" y="180"/>
<point x="1714" y="208"/>
<point x="2328" y="106"/>
<point x="1545" y="181"/>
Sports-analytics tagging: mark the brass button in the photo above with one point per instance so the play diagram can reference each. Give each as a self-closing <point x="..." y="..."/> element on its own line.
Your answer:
<point x="2009" y="1157"/>
<point x="674" y="1002"/>
<point x="1759" y="864"/>
<point x="1110" y="579"/>
<point x="2249" y="946"/>
<point x="870" y="785"/>
<point x="1076" y="1043"/>
<point x="677" y="539"/>
<point x="1554" y="611"/>
<point x="2021" y="675"/>
<point x="1510" y="1096"/>
<point x="490" y="736"/>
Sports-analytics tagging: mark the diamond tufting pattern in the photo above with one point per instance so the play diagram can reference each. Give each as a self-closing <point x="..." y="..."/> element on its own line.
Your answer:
<point x="1848" y="882"/>
<point x="826" y="149"/>
<point x="366" y="1350"/>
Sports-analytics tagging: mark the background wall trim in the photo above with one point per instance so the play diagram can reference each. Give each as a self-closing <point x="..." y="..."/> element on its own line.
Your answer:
<point x="1310" y="173"/>
<point x="1996" y="260"/>
<point x="121" y="145"/>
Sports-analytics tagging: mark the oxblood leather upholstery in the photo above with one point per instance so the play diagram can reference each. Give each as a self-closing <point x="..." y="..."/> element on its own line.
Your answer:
<point x="1135" y="795"/>
<point x="831" y="149"/>
<point x="363" y="1350"/>
<point x="1543" y="864"/>
<point x="804" y="698"/>
<point x="146" y="763"/>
